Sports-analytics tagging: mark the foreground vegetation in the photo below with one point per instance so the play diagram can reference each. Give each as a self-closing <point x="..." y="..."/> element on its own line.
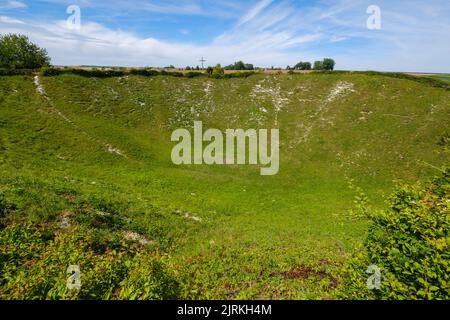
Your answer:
<point x="86" y="179"/>
<point x="409" y="243"/>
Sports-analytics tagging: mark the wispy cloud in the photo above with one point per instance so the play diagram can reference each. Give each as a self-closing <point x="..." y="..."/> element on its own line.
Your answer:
<point x="207" y="8"/>
<point x="12" y="4"/>
<point x="5" y="19"/>
<point x="185" y="32"/>
<point x="254" y="11"/>
<point x="265" y="32"/>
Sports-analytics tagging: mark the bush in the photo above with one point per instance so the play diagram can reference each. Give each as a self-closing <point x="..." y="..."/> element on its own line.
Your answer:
<point x="16" y="72"/>
<point x="217" y="72"/>
<point x="98" y="73"/>
<point x="3" y="208"/>
<point x="149" y="279"/>
<point x="17" y="52"/>
<point x="193" y="74"/>
<point x="238" y="75"/>
<point x="144" y="72"/>
<point x="50" y="71"/>
<point x="91" y="73"/>
<point x="34" y="262"/>
<point x="410" y="243"/>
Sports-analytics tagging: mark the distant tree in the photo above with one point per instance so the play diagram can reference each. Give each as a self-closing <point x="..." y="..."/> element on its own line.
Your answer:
<point x="17" y="52"/>
<point x="240" y="66"/>
<point x="288" y="68"/>
<point x="303" y="66"/>
<point x="197" y="68"/>
<point x="188" y="68"/>
<point x="209" y="70"/>
<point x="249" y="66"/>
<point x="318" y="65"/>
<point x="328" y="64"/>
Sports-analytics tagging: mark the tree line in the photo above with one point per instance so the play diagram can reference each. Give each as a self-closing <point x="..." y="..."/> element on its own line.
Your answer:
<point x="17" y="52"/>
<point x="325" y="64"/>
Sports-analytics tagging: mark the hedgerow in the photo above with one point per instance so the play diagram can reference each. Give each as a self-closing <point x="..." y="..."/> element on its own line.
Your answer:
<point x="16" y="72"/>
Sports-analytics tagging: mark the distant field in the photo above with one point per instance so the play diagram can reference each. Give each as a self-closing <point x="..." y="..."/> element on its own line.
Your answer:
<point x="92" y="156"/>
<point x="443" y="77"/>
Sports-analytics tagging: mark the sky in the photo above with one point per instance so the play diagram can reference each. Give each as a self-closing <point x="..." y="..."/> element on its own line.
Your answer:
<point x="413" y="35"/>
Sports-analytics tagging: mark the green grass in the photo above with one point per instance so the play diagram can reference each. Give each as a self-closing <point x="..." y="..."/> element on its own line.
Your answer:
<point x="442" y="77"/>
<point x="278" y="237"/>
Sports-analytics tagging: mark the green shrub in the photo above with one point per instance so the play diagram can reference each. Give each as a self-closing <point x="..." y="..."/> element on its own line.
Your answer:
<point x="51" y="71"/>
<point x="410" y="243"/>
<point x="149" y="279"/>
<point x="144" y="72"/>
<point x="34" y="262"/>
<point x="193" y="74"/>
<point x="238" y="75"/>
<point x="2" y="205"/>
<point x="98" y="73"/>
<point x="5" y="207"/>
<point x="217" y="72"/>
<point x="16" y="72"/>
<point x="17" y="52"/>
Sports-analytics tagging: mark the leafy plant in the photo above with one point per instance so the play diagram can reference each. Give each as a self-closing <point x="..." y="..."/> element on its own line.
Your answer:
<point x="410" y="243"/>
<point x="34" y="262"/>
<point x="17" y="52"/>
<point x="217" y="72"/>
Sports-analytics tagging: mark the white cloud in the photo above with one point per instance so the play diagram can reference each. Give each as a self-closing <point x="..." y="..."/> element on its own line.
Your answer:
<point x="255" y="11"/>
<point x="269" y="33"/>
<point x="5" y="19"/>
<point x="13" y="4"/>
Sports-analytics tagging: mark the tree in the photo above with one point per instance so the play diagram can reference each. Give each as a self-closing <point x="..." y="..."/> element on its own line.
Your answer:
<point x="17" y="52"/>
<point x="318" y="65"/>
<point x="328" y="64"/>
<point x="249" y="66"/>
<point x="240" y="66"/>
<point x="303" y="66"/>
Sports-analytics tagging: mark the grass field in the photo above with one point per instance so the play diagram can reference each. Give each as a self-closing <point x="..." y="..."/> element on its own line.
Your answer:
<point x="442" y="77"/>
<point x="85" y="148"/>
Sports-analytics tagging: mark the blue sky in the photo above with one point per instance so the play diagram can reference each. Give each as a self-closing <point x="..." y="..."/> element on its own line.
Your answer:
<point x="414" y="34"/>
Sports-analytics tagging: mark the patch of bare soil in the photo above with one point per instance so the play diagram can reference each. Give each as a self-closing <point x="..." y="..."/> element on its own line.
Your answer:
<point x="303" y="272"/>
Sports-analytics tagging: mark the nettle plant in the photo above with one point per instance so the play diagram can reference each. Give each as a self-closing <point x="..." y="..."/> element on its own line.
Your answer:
<point x="410" y="243"/>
